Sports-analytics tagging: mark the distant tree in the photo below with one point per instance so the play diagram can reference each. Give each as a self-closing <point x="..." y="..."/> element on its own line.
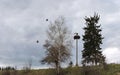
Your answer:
<point x="29" y="63"/>
<point x="27" y="66"/>
<point x="58" y="44"/>
<point x="92" y="38"/>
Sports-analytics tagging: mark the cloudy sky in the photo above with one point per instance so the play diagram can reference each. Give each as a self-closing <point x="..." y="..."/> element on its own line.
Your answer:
<point x="22" y="22"/>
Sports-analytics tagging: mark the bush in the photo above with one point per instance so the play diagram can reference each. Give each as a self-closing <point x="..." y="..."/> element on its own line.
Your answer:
<point x="91" y="70"/>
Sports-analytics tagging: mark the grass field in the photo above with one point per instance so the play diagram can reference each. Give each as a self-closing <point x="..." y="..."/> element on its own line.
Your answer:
<point x="112" y="69"/>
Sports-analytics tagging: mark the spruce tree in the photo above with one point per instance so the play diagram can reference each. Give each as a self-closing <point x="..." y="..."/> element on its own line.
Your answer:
<point x="92" y="38"/>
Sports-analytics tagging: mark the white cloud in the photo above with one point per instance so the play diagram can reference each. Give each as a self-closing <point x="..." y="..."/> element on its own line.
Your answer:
<point x="112" y="55"/>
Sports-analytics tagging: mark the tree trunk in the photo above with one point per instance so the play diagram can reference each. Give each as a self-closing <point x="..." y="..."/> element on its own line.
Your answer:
<point x="57" y="68"/>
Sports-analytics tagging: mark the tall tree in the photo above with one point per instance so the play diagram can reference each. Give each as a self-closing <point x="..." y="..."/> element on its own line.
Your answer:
<point x="58" y="44"/>
<point x="92" y="38"/>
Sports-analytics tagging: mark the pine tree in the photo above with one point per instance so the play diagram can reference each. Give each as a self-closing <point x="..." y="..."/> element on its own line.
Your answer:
<point x="92" y="38"/>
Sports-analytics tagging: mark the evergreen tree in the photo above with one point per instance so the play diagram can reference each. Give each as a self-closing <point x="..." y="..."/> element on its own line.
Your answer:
<point x="92" y="38"/>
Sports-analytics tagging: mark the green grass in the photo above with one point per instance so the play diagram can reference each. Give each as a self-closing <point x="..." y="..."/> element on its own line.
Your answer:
<point x="112" y="69"/>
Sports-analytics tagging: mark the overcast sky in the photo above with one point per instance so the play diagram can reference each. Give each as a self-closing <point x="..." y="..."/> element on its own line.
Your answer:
<point x="22" y="22"/>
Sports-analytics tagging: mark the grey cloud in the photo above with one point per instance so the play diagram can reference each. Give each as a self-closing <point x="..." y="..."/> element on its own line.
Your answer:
<point x="23" y="22"/>
<point x="14" y="4"/>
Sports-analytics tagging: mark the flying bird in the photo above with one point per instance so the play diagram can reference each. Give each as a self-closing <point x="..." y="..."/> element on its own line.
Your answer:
<point x="37" y="41"/>
<point x="46" y="19"/>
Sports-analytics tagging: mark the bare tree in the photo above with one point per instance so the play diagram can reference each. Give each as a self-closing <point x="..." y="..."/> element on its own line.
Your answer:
<point x="27" y="66"/>
<point x="58" y="44"/>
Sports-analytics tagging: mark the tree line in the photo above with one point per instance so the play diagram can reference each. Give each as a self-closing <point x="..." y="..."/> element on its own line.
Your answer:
<point x="7" y="68"/>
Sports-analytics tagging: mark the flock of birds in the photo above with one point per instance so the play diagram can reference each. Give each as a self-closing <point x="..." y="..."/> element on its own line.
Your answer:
<point x="38" y="40"/>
